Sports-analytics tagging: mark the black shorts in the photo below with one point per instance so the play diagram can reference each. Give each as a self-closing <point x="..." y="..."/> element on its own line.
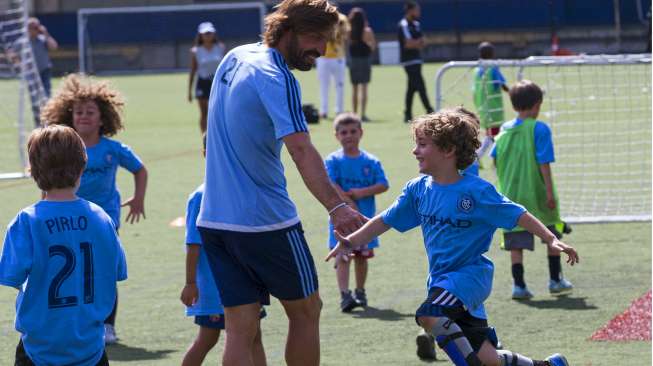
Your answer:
<point x="252" y="266"/>
<point x="360" y="70"/>
<point x="203" y="87"/>
<point x="523" y="239"/>
<point x="23" y="360"/>
<point x="476" y="330"/>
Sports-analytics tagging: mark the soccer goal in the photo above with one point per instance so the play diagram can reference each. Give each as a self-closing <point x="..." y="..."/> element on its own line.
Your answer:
<point x="158" y="38"/>
<point x="21" y="91"/>
<point x="599" y="110"/>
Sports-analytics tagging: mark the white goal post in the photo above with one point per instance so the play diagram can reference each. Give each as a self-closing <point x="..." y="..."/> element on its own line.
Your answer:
<point x="599" y="111"/>
<point x="199" y="11"/>
<point x="21" y="90"/>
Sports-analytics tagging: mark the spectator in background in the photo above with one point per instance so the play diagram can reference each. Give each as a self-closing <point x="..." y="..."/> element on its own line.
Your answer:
<point x="205" y="56"/>
<point x="411" y="42"/>
<point x="361" y="45"/>
<point x="42" y="42"/>
<point x="332" y="65"/>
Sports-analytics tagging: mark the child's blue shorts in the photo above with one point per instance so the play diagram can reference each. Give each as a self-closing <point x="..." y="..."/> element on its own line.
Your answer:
<point x="217" y="321"/>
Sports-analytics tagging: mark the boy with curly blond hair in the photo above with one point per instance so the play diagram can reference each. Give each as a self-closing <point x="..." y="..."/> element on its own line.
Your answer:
<point x="94" y="109"/>
<point x="458" y="215"/>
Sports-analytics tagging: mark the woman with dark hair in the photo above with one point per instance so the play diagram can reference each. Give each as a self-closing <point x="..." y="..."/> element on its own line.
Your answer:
<point x="361" y="45"/>
<point x="206" y="54"/>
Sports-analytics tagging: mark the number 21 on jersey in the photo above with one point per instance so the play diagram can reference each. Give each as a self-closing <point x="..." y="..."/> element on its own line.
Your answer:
<point x="56" y="300"/>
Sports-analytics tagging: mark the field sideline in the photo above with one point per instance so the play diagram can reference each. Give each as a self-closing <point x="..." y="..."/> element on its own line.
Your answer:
<point x="162" y="127"/>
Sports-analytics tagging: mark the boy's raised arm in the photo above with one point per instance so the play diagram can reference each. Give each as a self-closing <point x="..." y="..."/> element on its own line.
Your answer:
<point x="360" y="237"/>
<point x="534" y="226"/>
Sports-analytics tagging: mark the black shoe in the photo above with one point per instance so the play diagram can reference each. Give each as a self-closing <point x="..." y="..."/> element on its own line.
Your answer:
<point x="407" y="117"/>
<point x="365" y="119"/>
<point x="347" y="302"/>
<point x="425" y="346"/>
<point x="429" y="110"/>
<point x="360" y="297"/>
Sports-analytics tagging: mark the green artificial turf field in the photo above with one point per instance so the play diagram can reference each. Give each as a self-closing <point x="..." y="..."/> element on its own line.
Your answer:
<point x="162" y="127"/>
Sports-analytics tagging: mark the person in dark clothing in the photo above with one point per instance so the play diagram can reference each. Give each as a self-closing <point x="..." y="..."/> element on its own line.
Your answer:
<point x="411" y="42"/>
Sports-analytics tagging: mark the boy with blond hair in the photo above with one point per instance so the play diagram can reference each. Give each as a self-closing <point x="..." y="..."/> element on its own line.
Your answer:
<point x="523" y="155"/>
<point x="358" y="176"/>
<point x="64" y="257"/>
<point x="458" y="215"/>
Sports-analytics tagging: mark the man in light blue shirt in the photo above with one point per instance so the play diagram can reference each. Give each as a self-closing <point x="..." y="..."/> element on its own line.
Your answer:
<point x="249" y="226"/>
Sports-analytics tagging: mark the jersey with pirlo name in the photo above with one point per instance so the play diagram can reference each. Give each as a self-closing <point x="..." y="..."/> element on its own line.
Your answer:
<point x="65" y="258"/>
<point x="362" y="171"/>
<point x="209" y="302"/>
<point x="255" y="101"/>
<point x="457" y="221"/>
<point x="98" y="183"/>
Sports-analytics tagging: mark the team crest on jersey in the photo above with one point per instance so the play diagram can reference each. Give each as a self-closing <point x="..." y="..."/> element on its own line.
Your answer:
<point x="465" y="203"/>
<point x="108" y="158"/>
<point x="367" y="170"/>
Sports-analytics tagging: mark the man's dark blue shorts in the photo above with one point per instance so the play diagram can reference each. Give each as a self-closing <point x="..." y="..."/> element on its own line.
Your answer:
<point x="249" y="267"/>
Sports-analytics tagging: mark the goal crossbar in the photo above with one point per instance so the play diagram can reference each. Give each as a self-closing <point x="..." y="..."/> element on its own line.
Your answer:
<point x="84" y="12"/>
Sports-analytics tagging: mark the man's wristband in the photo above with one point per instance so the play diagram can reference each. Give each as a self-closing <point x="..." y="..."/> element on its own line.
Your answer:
<point x="341" y="204"/>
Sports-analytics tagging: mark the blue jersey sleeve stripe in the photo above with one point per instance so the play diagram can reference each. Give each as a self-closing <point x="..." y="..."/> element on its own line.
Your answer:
<point x="298" y="105"/>
<point x="295" y="102"/>
<point x="288" y="90"/>
<point x="297" y="263"/>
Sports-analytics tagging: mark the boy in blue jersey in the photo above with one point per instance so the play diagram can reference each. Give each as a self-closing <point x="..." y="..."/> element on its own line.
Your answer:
<point x="94" y="109"/>
<point x="523" y="155"/>
<point x="64" y="257"/>
<point x="358" y="176"/>
<point x="200" y="294"/>
<point x="458" y="215"/>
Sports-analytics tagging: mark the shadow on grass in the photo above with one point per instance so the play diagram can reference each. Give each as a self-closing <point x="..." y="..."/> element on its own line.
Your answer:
<point x="121" y="352"/>
<point x="371" y="312"/>
<point x="560" y="302"/>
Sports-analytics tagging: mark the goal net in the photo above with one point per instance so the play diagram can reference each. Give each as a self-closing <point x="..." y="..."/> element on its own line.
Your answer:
<point x="599" y="111"/>
<point x="158" y="38"/>
<point x="21" y="91"/>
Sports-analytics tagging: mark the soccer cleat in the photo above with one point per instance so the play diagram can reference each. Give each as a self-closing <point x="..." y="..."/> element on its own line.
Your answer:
<point x="557" y="360"/>
<point x="347" y="302"/>
<point x="365" y="119"/>
<point x="360" y="296"/>
<point x="560" y="287"/>
<point x="425" y="346"/>
<point x="110" y="334"/>
<point x="521" y="293"/>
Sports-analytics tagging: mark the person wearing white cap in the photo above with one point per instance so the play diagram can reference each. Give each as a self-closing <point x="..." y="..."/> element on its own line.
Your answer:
<point x="206" y="54"/>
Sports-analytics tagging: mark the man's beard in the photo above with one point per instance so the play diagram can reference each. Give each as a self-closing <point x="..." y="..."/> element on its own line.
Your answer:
<point x="300" y="59"/>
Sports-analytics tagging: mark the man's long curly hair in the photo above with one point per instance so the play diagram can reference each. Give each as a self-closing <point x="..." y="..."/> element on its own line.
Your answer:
<point x="300" y="16"/>
<point x="78" y="88"/>
<point x="455" y="128"/>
